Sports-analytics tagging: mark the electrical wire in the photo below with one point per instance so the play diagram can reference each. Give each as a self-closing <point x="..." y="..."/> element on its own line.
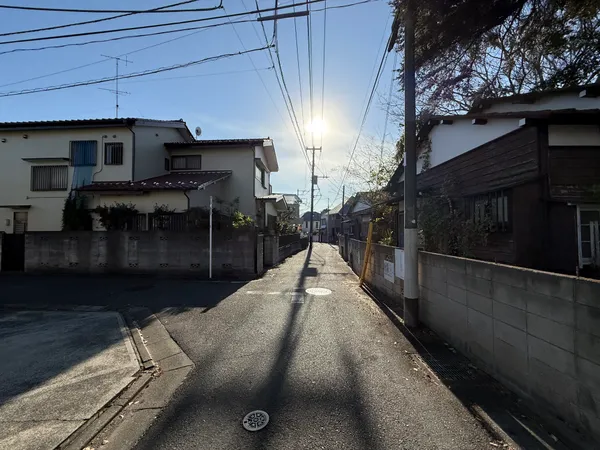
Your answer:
<point x="299" y="76"/>
<point x="134" y="36"/>
<point x="105" y="19"/>
<point x="324" y="58"/>
<point x="103" y="11"/>
<point x="130" y="75"/>
<point x="158" y="33"/>
<point x="365" y="113"/>
<point x="257" y="72"/>
<point x="310" y="71"/>
<point x="200" y="75"/>
<point x="284" y="90"/>
<point x="142" y="27"/>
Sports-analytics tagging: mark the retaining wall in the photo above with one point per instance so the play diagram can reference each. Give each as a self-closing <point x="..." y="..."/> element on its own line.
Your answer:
<point x="537" y="332"/>
<point x="234" y="254"/>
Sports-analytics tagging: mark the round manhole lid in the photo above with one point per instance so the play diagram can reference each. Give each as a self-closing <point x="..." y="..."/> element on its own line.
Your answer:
<point x="318" y="291"/>
<point x="255" y="420"/>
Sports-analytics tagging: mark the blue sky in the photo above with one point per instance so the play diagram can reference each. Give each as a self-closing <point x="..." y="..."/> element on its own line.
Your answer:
<point x="225" y="98"/>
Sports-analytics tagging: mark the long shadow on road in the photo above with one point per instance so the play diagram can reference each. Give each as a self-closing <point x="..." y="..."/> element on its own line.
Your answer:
<point x="220" y="391"/>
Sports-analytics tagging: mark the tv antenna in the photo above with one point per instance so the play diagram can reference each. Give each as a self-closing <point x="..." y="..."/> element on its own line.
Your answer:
<point x="116" y="90"/>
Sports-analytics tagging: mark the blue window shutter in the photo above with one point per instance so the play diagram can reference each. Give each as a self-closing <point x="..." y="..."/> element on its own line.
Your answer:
<point x="83" y="153"/>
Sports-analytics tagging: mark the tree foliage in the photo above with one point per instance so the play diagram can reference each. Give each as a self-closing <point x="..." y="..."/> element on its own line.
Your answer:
<point x="76" y="216"/>
<point x="117" y="217"/>
<point x="469" y="49"/>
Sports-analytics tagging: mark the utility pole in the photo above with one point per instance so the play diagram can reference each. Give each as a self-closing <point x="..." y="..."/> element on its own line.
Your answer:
<point x="313" y="181"/>
<point x="116" y="91"/>
<point x="411" y="266"/>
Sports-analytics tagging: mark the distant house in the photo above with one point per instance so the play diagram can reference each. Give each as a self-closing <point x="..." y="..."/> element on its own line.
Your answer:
<point x="316" y="221"/>
<point x="293" y="208"/>
<point x="357" y="215"/>
<point x="528" y="163"/>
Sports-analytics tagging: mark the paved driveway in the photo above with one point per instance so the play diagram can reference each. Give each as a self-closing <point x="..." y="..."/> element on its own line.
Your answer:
<point x="57" y="370"/>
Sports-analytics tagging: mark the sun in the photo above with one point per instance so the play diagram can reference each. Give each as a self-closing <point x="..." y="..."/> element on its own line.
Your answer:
<point x="317" y="126"/>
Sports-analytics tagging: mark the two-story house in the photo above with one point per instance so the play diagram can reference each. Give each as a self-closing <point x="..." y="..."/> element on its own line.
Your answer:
<point x="306" y="220"/>
<point x="531" y="165"/>
<point x="232" y="171"/>
<point x="43" y="161"/>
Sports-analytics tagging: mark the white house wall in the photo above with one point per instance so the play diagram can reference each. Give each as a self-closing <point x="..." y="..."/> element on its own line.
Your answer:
<point x="556" y="101"/>
<point x="45" y="212"/>
<point x="150" y="150"/>
<point x="574" y="135"/>
<point x="240" y="160"/>
<point x="449" y="141"/>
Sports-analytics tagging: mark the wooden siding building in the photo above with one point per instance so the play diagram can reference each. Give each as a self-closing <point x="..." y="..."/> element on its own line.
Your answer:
<point x="544" y="200"/>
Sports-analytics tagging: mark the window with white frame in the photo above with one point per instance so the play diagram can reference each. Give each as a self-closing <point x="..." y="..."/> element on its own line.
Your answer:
<point x="588" y="218"/>
<point x="186" y="162"/>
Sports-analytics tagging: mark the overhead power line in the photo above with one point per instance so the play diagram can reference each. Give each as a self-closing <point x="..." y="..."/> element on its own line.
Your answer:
<point x="130" y="75"/>
<point x="159" y="25"/>
<point x="285" y="93"/>
<point x="120" y="38"/>
<point x="105" y="19"/>
<point x="159" y="33"/>
<point x="366" y="112"/>
<point x="105" y="11"/>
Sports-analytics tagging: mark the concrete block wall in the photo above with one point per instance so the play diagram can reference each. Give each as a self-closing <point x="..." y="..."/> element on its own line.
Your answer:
<point x="260" y="256"/>
<point x="166" y="252"/>
<point x="537" y="332"/>
<point x="390" y="292"/>
<point x="271" y="250"/>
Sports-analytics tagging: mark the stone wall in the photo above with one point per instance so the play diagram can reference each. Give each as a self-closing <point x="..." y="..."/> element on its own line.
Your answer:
<point x="234" y="254"/>
<point x="271" y="249"/>
<point x="537" y="332"/>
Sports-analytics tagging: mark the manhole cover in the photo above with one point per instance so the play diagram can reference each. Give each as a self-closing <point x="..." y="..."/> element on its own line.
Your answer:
<point x="318" y="291"/>
<point x="255" y="420"/>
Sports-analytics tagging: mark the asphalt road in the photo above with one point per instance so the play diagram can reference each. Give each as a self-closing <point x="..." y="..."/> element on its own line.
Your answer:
<point x="332" y="371"/>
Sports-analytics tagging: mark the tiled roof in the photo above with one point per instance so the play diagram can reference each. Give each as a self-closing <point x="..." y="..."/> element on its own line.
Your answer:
<point x="177" y="181"/>
<point x="213" y="142"/>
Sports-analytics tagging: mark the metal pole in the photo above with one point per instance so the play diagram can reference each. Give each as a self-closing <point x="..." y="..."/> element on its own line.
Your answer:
<point x="210" y="239"/>
<point x="411" y="281"/>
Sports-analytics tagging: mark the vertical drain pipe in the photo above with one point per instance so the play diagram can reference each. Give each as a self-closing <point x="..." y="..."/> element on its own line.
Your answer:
<point x="210" y="239"/>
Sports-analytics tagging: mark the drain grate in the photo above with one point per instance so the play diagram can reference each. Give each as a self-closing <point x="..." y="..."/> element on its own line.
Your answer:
<point x="255" y="420"/>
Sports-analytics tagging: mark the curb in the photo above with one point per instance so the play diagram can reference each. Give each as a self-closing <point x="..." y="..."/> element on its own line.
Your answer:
<point x="164" y="366"/>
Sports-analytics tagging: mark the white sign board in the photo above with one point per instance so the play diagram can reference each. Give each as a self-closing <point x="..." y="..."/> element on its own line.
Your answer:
<point x="388" y="270"/>
<point x="400" y="263"/>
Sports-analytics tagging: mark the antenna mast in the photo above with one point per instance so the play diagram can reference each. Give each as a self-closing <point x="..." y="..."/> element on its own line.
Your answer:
<point x="116" y="91"/>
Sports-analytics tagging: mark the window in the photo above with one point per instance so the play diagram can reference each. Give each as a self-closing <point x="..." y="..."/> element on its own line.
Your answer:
<point x="186" y="162"/>
<point x="261" y="175"/>
<point x="83" y="153"/>
<point x="589" y="239"/>
<point x="49" y="178"/>
<point x="113" y="153"/>
<point x="494" y="207"/>
<point x="167" y="164"/>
